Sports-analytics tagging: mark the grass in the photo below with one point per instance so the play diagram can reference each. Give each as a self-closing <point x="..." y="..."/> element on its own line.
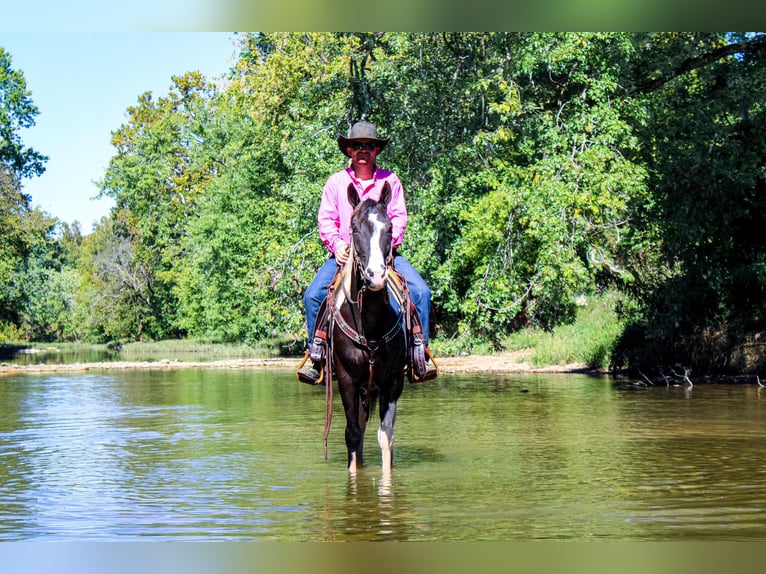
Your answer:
<point x="207" y="350"/>
<point x="589" y="340"/>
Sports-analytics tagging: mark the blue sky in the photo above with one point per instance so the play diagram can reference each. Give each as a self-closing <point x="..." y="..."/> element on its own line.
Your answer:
<point x="82" y="84"/>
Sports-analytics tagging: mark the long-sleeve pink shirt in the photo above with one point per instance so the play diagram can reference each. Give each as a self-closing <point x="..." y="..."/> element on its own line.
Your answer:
<point x="334" y="217"/>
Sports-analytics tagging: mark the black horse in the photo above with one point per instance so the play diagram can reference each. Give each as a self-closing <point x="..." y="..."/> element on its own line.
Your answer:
<point x="368" y="332"/>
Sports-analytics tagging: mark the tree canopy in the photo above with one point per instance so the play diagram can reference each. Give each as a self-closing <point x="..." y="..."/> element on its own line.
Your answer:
<point x="537" y="167"/>
<point x="24" y="232"/>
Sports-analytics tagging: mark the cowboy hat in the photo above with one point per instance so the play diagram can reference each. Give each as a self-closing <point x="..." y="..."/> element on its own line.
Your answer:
<point x="361" y="131"/>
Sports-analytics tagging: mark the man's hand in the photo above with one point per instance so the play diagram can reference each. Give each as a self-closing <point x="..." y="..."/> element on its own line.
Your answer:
<point x="341" y="253"/>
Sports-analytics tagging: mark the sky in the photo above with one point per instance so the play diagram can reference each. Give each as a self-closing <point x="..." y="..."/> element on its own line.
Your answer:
<point x="82" y="85"/>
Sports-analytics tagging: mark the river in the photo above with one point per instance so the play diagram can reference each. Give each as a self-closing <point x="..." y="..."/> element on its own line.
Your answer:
<point x="217" y="454"/>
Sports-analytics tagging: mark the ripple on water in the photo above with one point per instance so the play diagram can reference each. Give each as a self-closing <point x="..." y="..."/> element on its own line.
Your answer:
<point x="218" y="455"/>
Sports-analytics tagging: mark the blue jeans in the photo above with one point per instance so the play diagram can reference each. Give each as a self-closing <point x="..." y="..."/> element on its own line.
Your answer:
<point x="317" y="291"/>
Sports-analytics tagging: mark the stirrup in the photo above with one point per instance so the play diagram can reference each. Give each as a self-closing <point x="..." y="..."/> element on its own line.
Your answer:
<point x="317" y="349"/>
<point x="418" y="357"/>
<point x="422" y="370"/>
<point x="432" y="371"/>
<point x="310" y="375"/>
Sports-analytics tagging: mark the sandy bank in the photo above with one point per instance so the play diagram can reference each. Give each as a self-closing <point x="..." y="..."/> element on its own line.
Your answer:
<point x="497" y="363"/>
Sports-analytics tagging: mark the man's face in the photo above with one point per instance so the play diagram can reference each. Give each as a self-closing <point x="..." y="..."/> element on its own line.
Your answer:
<point x="363" y="152"/>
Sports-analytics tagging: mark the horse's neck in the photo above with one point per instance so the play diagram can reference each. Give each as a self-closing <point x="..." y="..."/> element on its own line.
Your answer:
<point x="373" y="309"/>
<point x="373" y="305"/>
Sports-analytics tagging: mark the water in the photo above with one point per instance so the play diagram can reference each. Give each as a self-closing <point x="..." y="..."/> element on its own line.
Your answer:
<point x="53" y="355"/>
<point x="237" y="455"/>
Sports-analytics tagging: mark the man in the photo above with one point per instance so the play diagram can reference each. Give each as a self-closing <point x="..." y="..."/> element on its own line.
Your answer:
<point x="363" y="146"/>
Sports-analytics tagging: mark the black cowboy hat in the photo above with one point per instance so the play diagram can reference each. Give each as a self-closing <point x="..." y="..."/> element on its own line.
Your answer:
<point x="361" y="131"/>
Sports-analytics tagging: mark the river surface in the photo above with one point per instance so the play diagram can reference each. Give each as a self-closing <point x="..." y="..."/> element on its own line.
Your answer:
<point x="205" y="454"/>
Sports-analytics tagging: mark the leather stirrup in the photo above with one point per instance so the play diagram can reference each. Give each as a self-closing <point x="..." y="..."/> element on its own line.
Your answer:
<point x="419" y="366"/>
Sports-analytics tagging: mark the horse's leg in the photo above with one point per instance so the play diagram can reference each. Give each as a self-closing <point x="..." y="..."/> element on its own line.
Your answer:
<point x="362" y="417"/>
<point x="354" y="431"/>
<point x="353" y="438"/>
<point x="386" y="434"/>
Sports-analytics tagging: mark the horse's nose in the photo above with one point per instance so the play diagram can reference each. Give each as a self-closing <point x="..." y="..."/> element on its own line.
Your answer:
<point x="372" y="273"/>
<point x="376" y="279"/>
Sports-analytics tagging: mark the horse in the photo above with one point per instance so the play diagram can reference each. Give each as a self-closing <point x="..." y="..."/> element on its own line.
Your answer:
<point x="368" y="346"/>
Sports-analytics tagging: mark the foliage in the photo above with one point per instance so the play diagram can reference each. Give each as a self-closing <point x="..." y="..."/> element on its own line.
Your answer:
<point x="47" y="292"/>
<point x="537" y="167"/>
<point x="16" y="112"/>
<point x="156" y="178"/>
<point x="250" y="253"/>
<point x="699" y="251"/>
<point x="32" y="291"/>
<point x="537" y="179"/>
<point x="590" y="340"/>
<point x="22" y="229"/>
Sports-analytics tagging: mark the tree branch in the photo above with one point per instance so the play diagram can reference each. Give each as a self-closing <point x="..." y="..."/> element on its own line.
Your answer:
<point x="755" y="48"/>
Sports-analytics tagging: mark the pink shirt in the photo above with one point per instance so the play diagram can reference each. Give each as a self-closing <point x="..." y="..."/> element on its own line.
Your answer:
<point x="334" y="215"/>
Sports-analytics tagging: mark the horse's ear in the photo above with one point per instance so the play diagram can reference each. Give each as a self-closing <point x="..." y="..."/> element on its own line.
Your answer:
<point x="353" y="196"/>
<point x="385" y="194"/>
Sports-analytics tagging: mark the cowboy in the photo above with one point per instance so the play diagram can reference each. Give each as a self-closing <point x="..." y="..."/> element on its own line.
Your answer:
<point x="362" y="146"/>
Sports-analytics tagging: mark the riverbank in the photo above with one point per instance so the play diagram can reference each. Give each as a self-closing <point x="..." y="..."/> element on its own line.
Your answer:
<point x="515" y="362"/>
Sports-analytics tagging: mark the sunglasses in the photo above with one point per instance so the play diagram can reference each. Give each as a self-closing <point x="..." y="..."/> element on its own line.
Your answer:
<point x="367" y="146"/>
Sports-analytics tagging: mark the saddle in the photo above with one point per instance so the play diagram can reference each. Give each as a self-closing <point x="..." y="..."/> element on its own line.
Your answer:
<point x="418" y="354"/>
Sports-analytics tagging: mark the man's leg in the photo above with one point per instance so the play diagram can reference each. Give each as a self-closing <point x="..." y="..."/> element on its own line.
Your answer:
<point x="312" y="299"/>
<point x="316" y="293"/>
<point x="421" y="299"/>
<point x="419" y="292"/>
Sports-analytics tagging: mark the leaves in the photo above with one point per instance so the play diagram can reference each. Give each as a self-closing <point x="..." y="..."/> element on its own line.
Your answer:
<point x="536" y="167"/>
<point x="16" y="112"/>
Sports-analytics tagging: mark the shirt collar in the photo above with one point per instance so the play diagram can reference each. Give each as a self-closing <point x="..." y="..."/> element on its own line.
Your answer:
<point x="356" y="180"/>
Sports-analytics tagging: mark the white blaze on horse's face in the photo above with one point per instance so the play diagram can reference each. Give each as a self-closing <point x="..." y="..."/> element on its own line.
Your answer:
<point x="375" y="271"/>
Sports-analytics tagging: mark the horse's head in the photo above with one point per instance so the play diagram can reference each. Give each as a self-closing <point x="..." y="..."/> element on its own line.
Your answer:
<point x="371" y="237"/>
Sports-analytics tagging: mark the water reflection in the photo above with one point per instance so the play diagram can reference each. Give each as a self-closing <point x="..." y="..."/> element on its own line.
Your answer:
<point x="220" y="455"/>
<point x="370" y="511"/>
<point x="52" y="355"/>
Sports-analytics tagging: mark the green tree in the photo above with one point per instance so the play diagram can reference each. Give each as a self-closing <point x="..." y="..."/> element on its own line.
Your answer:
<point x="48" y="284"/>
<point x="519" y="166"/>
<point x="252" y="248"/>
<point x="113" y="300"/>
<point x="512" y="148"/>
<point x="698" y="253"/>
<point x="17" y="111"/>
<point x="156" y="178"/>
<point x="536" y="167"/>
<point x="20" y="226"/>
